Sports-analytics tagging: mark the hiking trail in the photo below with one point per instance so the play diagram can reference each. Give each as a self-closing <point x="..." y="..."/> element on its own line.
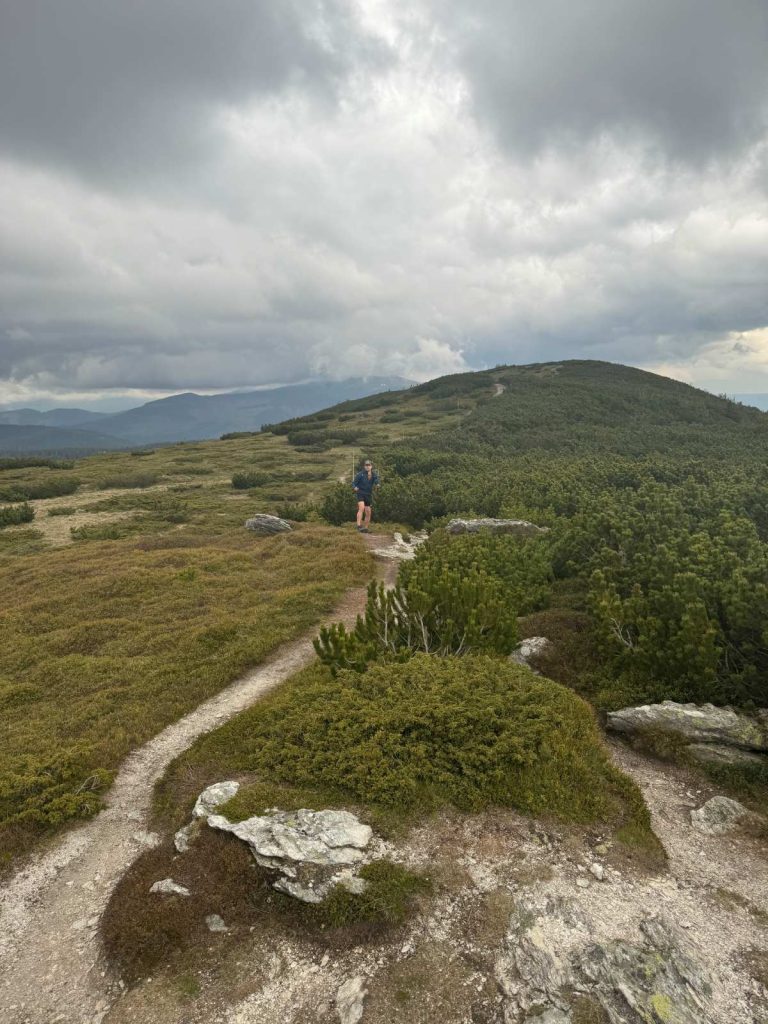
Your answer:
<point x="51" y="971"/>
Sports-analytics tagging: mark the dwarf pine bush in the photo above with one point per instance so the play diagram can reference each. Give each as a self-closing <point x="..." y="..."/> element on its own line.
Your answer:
<point x="12" y="515"/>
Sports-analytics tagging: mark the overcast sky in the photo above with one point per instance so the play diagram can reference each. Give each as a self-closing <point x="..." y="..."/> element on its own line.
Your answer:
<point x="219" y="194"/>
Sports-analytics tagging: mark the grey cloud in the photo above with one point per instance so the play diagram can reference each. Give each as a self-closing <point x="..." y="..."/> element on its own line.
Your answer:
<point x="689" y="76"/>
<point x="128" y="89"/>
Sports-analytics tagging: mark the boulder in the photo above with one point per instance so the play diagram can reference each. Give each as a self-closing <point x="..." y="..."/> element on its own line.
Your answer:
<point x="214" y="796"/>
<point x="520" y="527"/>
<point x="168" y="887"/>
<point x="312" y="851"/>
<point x="696" y="723"/>
<point x="718" y="815"/>
<point x="183" y="839"/>
<point x="349" y="1000"/>
<point x="528" y="649"/>
<point x="263" y="523"/>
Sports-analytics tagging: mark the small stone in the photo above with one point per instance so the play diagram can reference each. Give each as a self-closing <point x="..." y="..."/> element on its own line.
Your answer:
<point x="213" y="796"/>
<point x="582" y="883"/>
<point x="168" y="887"/>
<point x="214" y="923"/>
<point x="598" y="871"/>
<point x="349" y="1000"/>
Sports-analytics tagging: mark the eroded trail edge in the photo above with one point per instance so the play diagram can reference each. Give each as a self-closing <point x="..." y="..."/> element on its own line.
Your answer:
<point x="50" y="968"/>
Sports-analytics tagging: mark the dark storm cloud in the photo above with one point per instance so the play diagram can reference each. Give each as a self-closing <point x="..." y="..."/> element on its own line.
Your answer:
<point x="128" y="88"/>
<point x="690" y="76"/>
<point x="218" y="194"/>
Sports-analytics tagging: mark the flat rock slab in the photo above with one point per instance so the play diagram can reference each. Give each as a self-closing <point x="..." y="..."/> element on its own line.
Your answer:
<point x="263" y="523"/>
<point x="698" y="723"/>
<point x="167" y="887"/>
<point x="520" y="527"/>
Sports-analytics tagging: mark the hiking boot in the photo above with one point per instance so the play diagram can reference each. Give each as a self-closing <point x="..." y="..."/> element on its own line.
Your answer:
<point x="364" y="529"/>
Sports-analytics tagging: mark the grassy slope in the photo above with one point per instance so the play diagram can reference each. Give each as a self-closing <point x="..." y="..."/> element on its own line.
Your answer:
<point x="104" y="642"/>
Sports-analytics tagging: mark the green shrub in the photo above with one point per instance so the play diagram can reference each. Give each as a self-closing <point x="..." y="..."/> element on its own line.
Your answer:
<point x="32" y="490"/>
<point x="338" y="506"/>
<point x="439" y="611"/>
<point x="471" y="732"/>
<point x="387" y="899"/>
<point x="140" y="453"/>
<point x="62" y="510"/>
<point x="295" y="511"/>
<point x="128" y="480"/>
<point x="13" y="515"/>
<point x="32" y="461"/>
<point x="244" y="481"/>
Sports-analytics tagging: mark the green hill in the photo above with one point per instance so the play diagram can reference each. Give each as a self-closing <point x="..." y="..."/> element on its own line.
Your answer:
<point x="572" y="406"/>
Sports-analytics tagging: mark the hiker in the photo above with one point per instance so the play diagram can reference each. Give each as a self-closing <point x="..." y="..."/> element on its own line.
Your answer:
<point x="363" y="485"/>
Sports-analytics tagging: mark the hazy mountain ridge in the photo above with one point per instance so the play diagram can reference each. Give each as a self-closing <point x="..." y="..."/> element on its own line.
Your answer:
<point x="183" y="417"/>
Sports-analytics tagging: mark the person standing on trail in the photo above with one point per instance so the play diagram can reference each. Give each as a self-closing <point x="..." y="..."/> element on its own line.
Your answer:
<point x="363" y="485"/>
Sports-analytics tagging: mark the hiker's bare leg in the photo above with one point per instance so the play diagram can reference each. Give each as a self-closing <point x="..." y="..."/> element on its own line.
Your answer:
<point x="368" y="511"/>
<point x="360" y="512"/>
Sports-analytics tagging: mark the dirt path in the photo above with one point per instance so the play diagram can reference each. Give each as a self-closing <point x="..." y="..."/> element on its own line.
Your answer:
<point x="50" y="971"/>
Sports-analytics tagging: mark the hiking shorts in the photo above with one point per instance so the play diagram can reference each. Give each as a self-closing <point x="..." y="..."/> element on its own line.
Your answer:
<point x="365" y="498"/>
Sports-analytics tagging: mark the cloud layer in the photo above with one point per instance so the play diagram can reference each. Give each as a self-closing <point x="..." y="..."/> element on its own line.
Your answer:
<point x="216" y="195"/>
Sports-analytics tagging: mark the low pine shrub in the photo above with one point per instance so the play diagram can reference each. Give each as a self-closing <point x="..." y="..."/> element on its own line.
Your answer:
<point x="338" y="506"/>
<point x="412" y="736"/>
<point x="31" y="490"/>
<point x="244" y="481"/>
<point x="13" y="515"/>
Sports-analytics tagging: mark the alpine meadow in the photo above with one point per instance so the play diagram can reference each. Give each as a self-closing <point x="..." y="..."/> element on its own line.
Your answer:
<point x="614" y="520"/>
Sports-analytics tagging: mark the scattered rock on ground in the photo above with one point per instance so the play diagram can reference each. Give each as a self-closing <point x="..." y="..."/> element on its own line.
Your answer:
<point x="718" y="815"/>
<point x="311" y="850"/>
<point x="529" y="648"/>
<point x="168" y="887"/>
<point x="548" y="955"/>
<point x="182" y="840"/>
<point x="517" y="526"/>
<point x="263" y="523"/>
<point x="215" y="923"/>
<point x="349" y="1000"/>
<point x="703" y="723"/>
<point x="214" y="796"/>
<point x="401" y="549"/>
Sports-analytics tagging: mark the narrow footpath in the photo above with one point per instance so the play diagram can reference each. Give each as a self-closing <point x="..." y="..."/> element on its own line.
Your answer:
<point x="50" y="966"/>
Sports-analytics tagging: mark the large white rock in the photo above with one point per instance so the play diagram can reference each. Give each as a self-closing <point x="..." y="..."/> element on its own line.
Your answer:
<point x="263" y="523"/>
<point x="282" y="839"/>
<point x="698" y="723"/>
<point x="214" y="796"/>
<point x="718" y="815"/>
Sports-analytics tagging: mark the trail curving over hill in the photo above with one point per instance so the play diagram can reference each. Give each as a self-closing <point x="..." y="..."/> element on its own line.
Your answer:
<point x="51" y="971"/>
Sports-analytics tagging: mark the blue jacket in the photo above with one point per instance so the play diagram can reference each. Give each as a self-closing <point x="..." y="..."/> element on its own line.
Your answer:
<point x="363" y="485"/>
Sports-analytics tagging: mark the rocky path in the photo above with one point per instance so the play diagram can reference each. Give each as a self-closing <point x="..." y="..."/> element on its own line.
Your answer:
<point x="50" y="971"/>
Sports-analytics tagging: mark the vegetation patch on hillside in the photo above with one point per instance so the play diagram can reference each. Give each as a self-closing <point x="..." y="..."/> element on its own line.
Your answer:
<point x="103" y="644"/>
<point x="406" y="738"/>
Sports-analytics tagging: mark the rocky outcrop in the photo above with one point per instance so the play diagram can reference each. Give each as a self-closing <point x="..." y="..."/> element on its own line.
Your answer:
<point x="718" y="815"/>
<point x="548" y="957"/>
<point x="311" y="851"/>
<point x="528" y="649"/>
<point x="520" y="527"/>
<point x="263" y="523"/>
<point x="401" y="550"/>
<point x="695" y="723"/>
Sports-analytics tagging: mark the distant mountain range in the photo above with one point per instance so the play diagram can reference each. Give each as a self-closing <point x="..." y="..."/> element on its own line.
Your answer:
<point x="184" y="417"/>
